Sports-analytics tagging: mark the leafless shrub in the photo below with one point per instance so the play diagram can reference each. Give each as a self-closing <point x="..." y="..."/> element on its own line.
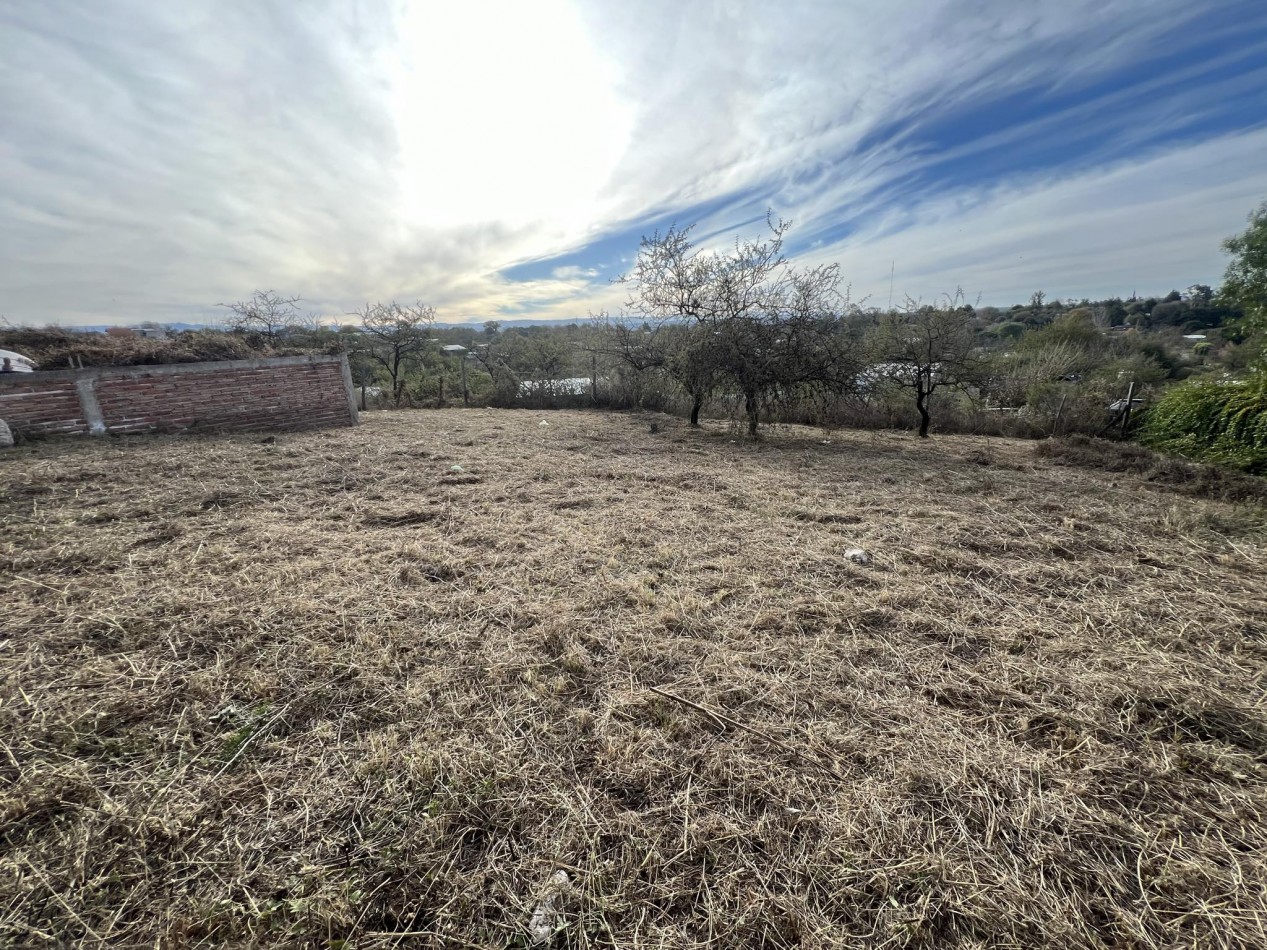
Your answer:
<point x="267" y="313"/>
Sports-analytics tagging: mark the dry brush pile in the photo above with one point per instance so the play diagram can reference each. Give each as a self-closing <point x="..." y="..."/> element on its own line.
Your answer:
<point x="55" y="348"/>
<point x="378" y="687"/>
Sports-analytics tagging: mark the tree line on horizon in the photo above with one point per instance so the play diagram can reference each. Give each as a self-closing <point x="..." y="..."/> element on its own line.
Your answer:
<point x="746" y="334"/>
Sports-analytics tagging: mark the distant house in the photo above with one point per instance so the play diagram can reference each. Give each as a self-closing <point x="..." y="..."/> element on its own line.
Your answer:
<point x="576" y="386"/>
<point x="902" y="373"/>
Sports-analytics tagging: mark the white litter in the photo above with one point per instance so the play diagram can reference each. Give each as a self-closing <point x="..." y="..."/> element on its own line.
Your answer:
<point x="545" y="919"/>
<point x="6" y="435"/>
<point x="17" y="362"/>
<point x="858" y="556"/>
<point x="456" y="468"/>
<point x="543" y="424"/>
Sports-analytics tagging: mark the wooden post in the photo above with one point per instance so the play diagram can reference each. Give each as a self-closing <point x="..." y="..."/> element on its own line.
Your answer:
<point x="1055" y="426"/>
<point x="594" y="378"/>
<point x="1126" y="414"/>
<point x="466" y="393"/>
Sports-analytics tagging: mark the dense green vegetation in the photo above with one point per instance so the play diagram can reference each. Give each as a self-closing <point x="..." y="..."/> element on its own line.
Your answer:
<point x="1224" y="419"/>
<point x="1215" y="420"/>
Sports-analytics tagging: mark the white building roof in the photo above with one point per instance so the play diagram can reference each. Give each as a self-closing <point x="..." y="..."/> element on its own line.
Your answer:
<point x="20" y="363"/>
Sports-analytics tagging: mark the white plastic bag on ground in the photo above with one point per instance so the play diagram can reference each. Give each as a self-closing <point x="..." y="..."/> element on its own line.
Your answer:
<point x="545" y="919"/>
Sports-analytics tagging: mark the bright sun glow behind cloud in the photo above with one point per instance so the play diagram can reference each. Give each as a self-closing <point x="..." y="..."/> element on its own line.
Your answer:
<point x="501" y="158"/>
<point x="504" y="112"/>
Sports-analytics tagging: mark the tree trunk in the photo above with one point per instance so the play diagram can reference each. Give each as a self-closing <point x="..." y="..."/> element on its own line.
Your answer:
<point x="921" y="403"/>
<point x="696" y="405"/>
<point x="750" y="406"/>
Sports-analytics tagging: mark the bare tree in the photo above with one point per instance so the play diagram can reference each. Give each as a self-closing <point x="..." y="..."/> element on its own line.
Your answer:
<point x="268" y="313"/>
<point x="540" y="360"/>
<point x="763" y="325"/>
<point x="682" y="352"/>
<point x="926" y="349"/>
<point x="692" y="364"/>
<point x="491" y="357"/>
<point x="797" y="340"/>
<point x="396" y="337"/>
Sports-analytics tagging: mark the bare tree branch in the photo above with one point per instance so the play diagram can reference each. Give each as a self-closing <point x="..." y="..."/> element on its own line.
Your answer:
<point x="396" y="337"/>
<point x="269" y="313"/>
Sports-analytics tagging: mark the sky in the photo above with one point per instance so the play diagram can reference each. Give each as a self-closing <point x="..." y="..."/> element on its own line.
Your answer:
<point x="501" y="159"/>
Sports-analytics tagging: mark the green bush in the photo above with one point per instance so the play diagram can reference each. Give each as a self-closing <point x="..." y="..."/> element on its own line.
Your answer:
<point x="1224" y="422"/>
<point x="1011" y="330"/>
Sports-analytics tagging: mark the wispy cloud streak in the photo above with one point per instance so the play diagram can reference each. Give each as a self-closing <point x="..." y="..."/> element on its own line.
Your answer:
<point x="159" y="158"/>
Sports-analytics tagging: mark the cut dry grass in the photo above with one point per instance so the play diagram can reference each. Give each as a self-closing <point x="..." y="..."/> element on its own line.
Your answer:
<point x="1176" y="474"/>
<point x="330" y="692"/>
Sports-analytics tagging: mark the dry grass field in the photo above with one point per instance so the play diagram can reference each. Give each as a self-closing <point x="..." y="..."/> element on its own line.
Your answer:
<point x="330" y="691"/>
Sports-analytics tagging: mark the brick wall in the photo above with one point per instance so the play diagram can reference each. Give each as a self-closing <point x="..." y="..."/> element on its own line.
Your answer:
<point x="38" y="404"/>
<point x="297" y="392"/>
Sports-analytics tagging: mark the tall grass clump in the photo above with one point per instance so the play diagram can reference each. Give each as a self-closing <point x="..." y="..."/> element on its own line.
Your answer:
<point x="1219" y="421"/>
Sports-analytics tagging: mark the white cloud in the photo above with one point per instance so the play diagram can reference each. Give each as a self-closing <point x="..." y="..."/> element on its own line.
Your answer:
<point x="573" y="272"/>
<point x="160" y="158"/>
<point x="1152" y="225"/>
